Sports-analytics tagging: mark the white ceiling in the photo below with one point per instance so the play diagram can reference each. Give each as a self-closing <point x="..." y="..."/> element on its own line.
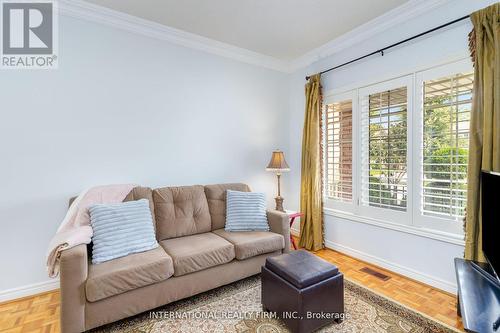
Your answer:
<point x="284" y="29"/>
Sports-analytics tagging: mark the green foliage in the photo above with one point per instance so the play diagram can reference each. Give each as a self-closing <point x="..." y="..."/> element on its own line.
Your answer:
<point x="388" y="163"/>
<point x="441" y="159"/>
<point x="389" y="154"/>
<point x="381" y="193"/>
<point x="445" y="165"/>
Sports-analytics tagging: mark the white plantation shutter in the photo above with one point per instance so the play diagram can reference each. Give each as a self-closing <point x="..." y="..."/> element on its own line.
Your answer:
<point x="446" y="112"/>
<point x="384" y="162"/>
<point x="339" y="151"/>
<point x="396" y="151"/>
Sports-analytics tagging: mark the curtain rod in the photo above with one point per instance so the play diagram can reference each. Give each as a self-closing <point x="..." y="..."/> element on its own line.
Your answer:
<point x="381" y="51"/>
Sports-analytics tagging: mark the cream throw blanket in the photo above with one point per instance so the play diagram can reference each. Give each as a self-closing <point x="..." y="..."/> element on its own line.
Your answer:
<point x="75" y="229"/>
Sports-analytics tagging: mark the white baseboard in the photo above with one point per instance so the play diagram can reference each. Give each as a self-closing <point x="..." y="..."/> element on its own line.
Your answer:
<point x="409" y="272"/>
<point x="31" y="289"/>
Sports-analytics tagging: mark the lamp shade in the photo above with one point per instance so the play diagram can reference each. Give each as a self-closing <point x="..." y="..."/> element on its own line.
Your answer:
<point x="278" y="162"/>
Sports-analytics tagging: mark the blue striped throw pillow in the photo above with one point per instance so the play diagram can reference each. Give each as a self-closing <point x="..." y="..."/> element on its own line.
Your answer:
<point x="121" y="229"/>
<point x="246" y="211"/>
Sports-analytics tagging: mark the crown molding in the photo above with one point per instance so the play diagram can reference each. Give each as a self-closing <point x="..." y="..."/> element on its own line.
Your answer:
<point x="394" y="17"/>
<point x="83" y="10"/>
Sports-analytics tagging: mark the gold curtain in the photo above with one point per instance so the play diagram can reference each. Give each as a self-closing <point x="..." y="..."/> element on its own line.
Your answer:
<point x="311" y="196"/>
<point x="484" y="142"/>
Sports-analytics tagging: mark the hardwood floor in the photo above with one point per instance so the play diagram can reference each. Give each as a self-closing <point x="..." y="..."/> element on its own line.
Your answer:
<point x="433" y="302"/>
<point x="40" y="313"/>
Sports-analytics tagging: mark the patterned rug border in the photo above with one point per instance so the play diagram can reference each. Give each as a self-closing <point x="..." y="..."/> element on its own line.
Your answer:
<point x="395" y="306"/>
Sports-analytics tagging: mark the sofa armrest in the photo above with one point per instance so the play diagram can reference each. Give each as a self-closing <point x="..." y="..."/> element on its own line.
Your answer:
<point x="280" y="224"/>
<point x="73" y="275"/>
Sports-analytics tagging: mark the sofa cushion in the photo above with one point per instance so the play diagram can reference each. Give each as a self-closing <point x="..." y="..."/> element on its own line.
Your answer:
<point x="197" y="252"/>
<point x="252" y="243"/>
<point x="181" y="211"/>
<point x="216" y="197"/>
<point x="127" y="273"/>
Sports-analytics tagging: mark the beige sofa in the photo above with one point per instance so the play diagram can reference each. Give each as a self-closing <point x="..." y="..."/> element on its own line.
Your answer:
<point x="195" y="255"/>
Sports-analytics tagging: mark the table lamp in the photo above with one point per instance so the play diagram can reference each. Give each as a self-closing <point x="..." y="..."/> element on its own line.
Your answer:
<point x="278" y="165"/>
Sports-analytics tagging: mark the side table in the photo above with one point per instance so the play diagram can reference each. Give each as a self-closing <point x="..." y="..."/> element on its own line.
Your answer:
<point x="292" y="216"/>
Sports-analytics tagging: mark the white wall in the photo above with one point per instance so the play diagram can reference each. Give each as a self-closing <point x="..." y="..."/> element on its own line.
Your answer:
<point x="125" y="108"/>
<point x="422" y="258"/>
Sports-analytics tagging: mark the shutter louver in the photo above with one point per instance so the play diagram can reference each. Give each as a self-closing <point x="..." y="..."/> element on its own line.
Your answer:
<point x="339" y="151"/>
<point x="384" y="150"/>
<point x="447" y="106"/>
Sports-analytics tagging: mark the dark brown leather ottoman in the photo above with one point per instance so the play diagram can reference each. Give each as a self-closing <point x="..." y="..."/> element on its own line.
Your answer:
<point x="304" y="290"/>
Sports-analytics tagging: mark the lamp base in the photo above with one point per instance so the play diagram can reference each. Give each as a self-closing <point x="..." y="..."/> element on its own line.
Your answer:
<point x="279" y="203"/>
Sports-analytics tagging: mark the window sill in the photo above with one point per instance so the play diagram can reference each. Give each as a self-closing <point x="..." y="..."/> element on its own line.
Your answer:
<point x="422" y="232"/>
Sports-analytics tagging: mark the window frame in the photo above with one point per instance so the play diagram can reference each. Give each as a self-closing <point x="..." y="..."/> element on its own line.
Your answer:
<point x="363" y="94"/>
<point x="420" y="220"/>
<point x="330" y="99"/>
<point x="411" y="221"/>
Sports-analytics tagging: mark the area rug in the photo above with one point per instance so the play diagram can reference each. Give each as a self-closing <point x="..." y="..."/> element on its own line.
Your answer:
<point x="237" y="308"/>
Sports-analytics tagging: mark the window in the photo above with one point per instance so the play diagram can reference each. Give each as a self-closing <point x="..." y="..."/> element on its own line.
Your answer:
<point x="396" y="151"/>
<point x="386" y="169"/>
<point x="339" y="150"/>
<point x="447" y="104"/>
<point x="384" y="165"/>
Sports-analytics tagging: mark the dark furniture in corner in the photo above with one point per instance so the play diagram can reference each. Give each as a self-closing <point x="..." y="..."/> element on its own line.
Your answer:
<point x="478" y="298"/>
<point x="305" y="291"/>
